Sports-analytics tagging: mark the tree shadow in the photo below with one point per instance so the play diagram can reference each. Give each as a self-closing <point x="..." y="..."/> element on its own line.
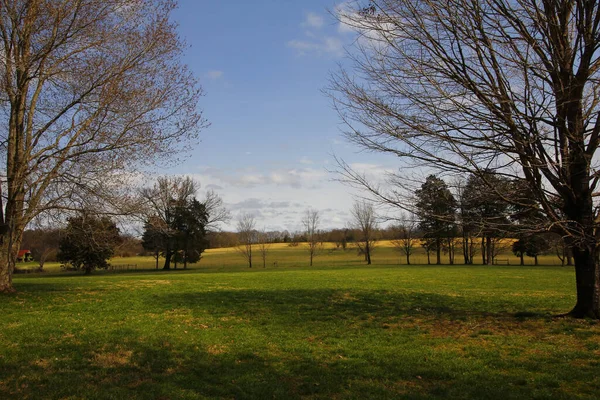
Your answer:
<point x="290" y="365"/>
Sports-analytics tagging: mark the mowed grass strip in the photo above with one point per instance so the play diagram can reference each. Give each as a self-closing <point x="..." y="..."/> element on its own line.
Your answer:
<point x="382" y="331"/>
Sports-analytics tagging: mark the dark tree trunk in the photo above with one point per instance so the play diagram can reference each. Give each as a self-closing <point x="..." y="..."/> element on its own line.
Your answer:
<point x="465" y="248"/>
<point x="522" y="259"/>
<point x="407" y="258"/>
<point x="368" y="253"/>
<point x="580" y="209"/>
<point x="168" y="255"/>
<point x="535" y="259"/>
<point x="587" y="277"/>
<point x="438" y="251"/>
<point x="488" y="248"/>
<point x="483" y="252"/>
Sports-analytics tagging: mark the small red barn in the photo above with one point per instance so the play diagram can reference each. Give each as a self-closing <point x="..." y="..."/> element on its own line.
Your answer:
<point x="24" y="255"/>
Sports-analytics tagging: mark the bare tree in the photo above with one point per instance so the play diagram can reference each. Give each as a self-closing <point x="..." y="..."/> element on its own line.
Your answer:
<point x="247" y="236"/>
<point x="264" y="245"/>
<point x="364" y="217"/>
<point x="468" y="87"/>
<point x="311" y="222"/>
<point x="217" y="213"/>
<point x="404" y="232"/>
<point x="90" y="90"/>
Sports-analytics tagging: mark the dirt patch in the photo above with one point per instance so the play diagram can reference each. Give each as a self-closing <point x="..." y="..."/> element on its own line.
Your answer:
<point x="42" y="363"/>
<point x="216" y="349"/>
<point x="112" y="359"/>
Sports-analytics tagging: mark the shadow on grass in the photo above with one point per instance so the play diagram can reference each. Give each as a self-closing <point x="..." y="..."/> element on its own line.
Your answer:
<point x="336" y="304"/>
<point x="276" y="358"/>
<point x="142" y="371"/>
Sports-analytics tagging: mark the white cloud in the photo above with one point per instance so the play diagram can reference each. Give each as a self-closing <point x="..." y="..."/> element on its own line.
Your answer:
<point x="327" y="45"/>
<point x="214" y="74"/>
<point x="313" y="20"/>
<point x="315" y="39"/>
<point x="249" y="178"/>
<point x="344" y="13"/>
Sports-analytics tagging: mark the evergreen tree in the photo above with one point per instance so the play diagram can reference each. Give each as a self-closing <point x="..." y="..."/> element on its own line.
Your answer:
<point x="88" y="242"/>
<point x="436" y="208"/>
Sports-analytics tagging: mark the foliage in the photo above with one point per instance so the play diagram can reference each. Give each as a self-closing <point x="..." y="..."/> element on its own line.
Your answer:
<point x="189" y="223"/>
<point x="88" y="242"/>
<point x="176" y="223"/>
<point x="436" y="207"/>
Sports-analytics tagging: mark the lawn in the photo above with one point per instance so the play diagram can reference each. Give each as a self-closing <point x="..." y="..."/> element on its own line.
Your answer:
<point x="338" y="330"/>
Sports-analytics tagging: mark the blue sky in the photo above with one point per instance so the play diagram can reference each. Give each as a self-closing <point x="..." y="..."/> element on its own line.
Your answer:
<point x="268" y="150"/>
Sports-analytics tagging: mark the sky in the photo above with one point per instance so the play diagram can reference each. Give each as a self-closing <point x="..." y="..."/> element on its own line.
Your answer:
<point x="269" y="149"/>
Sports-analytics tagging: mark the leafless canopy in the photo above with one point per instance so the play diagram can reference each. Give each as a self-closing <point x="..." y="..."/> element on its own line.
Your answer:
<point x="365" y="220"/>
<point x="88" y="89"/>
<point x="311" y="221"/>
<point x="247" y="236"/>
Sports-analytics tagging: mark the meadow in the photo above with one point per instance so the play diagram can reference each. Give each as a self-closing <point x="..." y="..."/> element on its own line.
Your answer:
<point x="339" y="329"/>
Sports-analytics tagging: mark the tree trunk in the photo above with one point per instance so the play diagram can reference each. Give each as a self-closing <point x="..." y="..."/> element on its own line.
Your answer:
<point x="483" y="252"/>
<point x="438" y="251"/>
<point x="585" y="251"/>
<point x="407" y="258"/>
<point x="535" y="260"/>
<point x="522" y="259"/>
<point x="368" y="252"/>
<point x="167" y="259"/>
<point x="488" y="249"/>
<point x="587" y="276"/>
<point x="465" y="248"/>
<point x="5" y="271"/>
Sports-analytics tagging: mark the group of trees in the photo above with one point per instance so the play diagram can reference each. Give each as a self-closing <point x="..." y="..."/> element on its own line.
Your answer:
<point x="474" y="212"/>
<point x="176" y="222"/>
<point x="488" y="89"/>
<point x="363" y="234"/>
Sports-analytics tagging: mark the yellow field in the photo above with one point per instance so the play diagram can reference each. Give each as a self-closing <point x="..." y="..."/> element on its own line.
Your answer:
<point x="284" y="255"/>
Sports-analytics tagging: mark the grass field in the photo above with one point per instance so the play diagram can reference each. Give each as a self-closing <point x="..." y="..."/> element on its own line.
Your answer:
<point x="337" y="330"/>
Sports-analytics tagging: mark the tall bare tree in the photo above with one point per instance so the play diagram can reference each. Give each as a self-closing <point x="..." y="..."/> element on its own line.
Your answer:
<point x="405" y="236"/>
<point x="365" y="222"/>
<point x="472" y="86"/>
<point x="88" y="89"/>
<point x="247" y="236"/>
<point x="311" y="222"/>
<point x="265" y="240"/>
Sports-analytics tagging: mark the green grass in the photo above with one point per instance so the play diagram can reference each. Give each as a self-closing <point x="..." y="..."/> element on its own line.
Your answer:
<point x="337" y="330"/>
